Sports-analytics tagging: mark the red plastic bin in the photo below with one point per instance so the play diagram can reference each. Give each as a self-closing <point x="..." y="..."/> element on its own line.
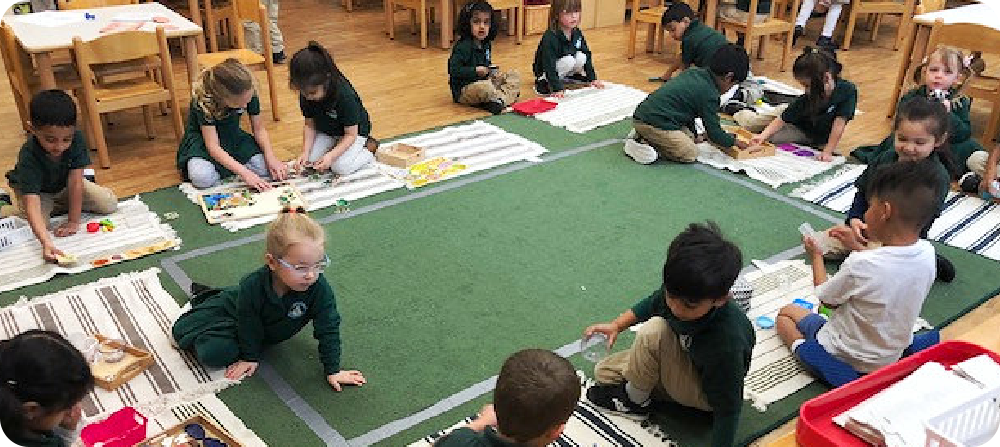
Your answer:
<point x="816" y="427"/>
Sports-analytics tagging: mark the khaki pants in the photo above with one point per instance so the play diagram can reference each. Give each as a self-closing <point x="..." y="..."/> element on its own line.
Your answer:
<point x="676" y="145"/>
<point x="977" y="162"/>
<point x="656" y="361"/>
<point x="789" y="133"/>
<point x="503" y="87"/>
<point x="96" y="199"/>
<point x="733" y="14"/>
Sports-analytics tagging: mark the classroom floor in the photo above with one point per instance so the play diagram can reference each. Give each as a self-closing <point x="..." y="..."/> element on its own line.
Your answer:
<point x="469" y="274"/>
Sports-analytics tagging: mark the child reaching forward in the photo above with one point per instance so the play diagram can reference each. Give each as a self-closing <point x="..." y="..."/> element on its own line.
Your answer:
<point x="563" y="56"/>
<point x="818" y="117"/>
<point x="214" y="146"/>
<point x="473" y="78"/>
<point x="230" y="328"/>
<point x="337" y="131"/>
<point x="698" y="41"/>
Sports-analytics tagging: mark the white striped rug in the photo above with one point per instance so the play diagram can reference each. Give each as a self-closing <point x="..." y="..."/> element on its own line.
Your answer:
<point x="138" y="232"/>
<point x="588" y="108"/>
<point x="477" y="145"/>
<point x="783" y="168"/>
<point x="132" y="307"/>
<point x="967" y="222"/>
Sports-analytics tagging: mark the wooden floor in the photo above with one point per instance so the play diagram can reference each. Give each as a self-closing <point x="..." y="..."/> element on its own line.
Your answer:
<point x="405" y="89"/>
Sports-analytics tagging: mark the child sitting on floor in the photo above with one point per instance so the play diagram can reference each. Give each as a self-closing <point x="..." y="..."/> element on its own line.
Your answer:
<point x="230" y="328"/>
<point x="941" y="77"/>
<point x="48" y="176"/>
<point x="562" y="56"/>
<point x="663" y="120"/>
<point x="695" y="343"/>
<point x="818" y="117"/>
<point x="473" y="78"/>
<point x="337" y="132"/>
<point x="214" y="146"/>
<point x="536" y="394"/>
<point x="877" y="294"/>
<point x="698" y="41"/>
<point x="984" y="172"/>
<point x="43" y="379"/>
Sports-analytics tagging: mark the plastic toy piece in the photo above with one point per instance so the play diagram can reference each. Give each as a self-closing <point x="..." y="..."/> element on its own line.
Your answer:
<point x="765" y="322"/>
<point x="341" y="206"/>
<point x="801" y="302"/>
<point x="93" y="227"/>
<point x="823" y="310"/>
<point x="66" y="260"/>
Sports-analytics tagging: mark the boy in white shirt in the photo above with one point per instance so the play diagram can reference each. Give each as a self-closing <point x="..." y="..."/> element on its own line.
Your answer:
<point x="877" y="293"/>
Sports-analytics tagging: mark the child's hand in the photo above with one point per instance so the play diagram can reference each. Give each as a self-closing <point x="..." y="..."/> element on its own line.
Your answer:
<point x="487" y="417"/>
<point x="278" y="170"/>
<point x="608" y="329"/>
<point x="947" y="104"/>
<point x="345" y="378"/>
<point x="824" y="156"/>
<point x="50" y="253"/>
<point x="254" y="181"/>
<point x="809" y="243"/>
<point x="240" y="370"/>
<point x="758" y="140"/>
<point x="323" y="164"/>
<point x="851" y="237"/>
<point x="72" y="418"/>
<point x="301" y="163"/>
<point x="68" y="228"/>
<point x="597" y="83"/>
<point x="482" y="71"/>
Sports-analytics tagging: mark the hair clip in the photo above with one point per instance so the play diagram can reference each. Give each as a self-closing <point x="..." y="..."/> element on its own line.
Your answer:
<point x="296" y="210"/>
<point x="11" y="383"/>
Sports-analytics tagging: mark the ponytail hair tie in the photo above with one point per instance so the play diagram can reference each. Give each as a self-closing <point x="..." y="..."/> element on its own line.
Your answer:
<point x="296" y="210"/>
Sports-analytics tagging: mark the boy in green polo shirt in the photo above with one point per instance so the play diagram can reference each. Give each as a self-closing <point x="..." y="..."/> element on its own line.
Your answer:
<point x="662" y="119"/>
<point x="48" y="176"/>
<point x="695" y="342"/>
<point x="698" y="42"/>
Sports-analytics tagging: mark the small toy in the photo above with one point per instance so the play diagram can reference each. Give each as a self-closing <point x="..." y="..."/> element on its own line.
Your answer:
<point x="107" y="225"/>
<point x="823" y="310"/>
<point x="993" y="192"/>
<point x="111" y="351"/>
<point x="171" y="215"/>
<point x="66" y="260"/>
<point x="765" y="322"/>
<point x="808" y="231"/>
<point x="93" y="227"/>
<point x="764" y="150"/>
<point x="803" y="303"/>
<point x="341" y="207"/>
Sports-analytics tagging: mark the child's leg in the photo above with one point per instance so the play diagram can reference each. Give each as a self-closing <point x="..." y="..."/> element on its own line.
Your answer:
<point x="977" y="162"/>
<point x="98" y="199"/>
<point x="321" y="145"/>
<point x="355" y="157"/>
<point x="672" y="144"/>
<point x="216" y="349"/>
<point x="510" y="87"/>
<point x="565" y="66"/>
<point x="479" y="92"/>
<point x="579" y="60"/>
<point x="202" y="173"/>
<point x="804" y="12"/>
<point x="789" y="133"/>
<point x="832" y="15"/>
<point x="258" y="166"/>
<point x="797" y="328"/>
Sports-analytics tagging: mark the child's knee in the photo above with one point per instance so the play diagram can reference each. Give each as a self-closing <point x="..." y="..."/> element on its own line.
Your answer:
<point x="258" y="165"/>
<point x="793" y="312"/>
<point x="654" y="327"/>
<point x="202" y="173"/>
<point x="565" y="65"/>
<point x="216" y="352"/>
<point x="102" y="200"/>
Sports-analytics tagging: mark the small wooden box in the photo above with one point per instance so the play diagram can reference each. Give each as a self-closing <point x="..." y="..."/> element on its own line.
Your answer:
<point x="764" y="150"/>
<point x="113" y="375"/>
<point x="536" y="19"/>
<point x="211" y="430"/>
<point x="399" y="155"/>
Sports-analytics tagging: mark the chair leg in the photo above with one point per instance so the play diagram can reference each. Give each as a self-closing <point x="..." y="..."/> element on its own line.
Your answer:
<point x="875" y="24"/>
<point x="520" y="23"/>
<point x="760" y="47"/>
<point x="904" y="25"/>
<point x="413" y="22"/>
<point x="631" y="36"/>
<point x="651" y="38"/>
<point x="510" y="22"/>
<point x="391" y="15"/>
<point x="99" y="141"/>
<point x="147" y="120"/>
<point x="423" y="27"/>
<point x="786" y="51"/>
<point x="849" y="31"/>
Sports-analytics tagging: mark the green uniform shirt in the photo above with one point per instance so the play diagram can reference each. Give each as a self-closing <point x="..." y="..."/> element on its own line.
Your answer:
<point x="234" y="140"/>
<point x="335" y="112"/>
<point x="699" y="43"/>
<point x="466" y="55"/>
<point x="890" y="157"/>
<point x="467" y="437"/>
<point x="553" y="46"/>
<point x="691" y="94"/>
<point x="36" y="173"/>
<point x="763" y="6"/>
<point x="45" y="439"/>
<point x="720" y="345"/>
<point x="843" y="101"/>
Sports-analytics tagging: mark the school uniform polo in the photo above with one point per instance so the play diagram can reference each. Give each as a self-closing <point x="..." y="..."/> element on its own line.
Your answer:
<point x="43" y="439"/>
<point x="553" y="46"/>
<point x="466" y="55"/>
<point x="254" y="317"/>
<point x="763" y="6"/>
<point x="467" y="437"/>
<point x="691" y="94"/>
<point x="817" y="126"/>
<point x="720" y="346"/>
<point x="699" y="43"/>
<point x="860" y="204"/>
<point x="37" y="173"/>
<point x="234" y="140"/>
<point x="337" y="111"/>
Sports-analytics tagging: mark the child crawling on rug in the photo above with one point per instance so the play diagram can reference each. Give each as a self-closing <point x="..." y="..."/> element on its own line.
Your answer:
<point x="695" y="343"/>
<point x="48" y="177"/>
<point x="536" y="394"/>
<point x="230" y="328"/>
<point x="877" y="294"/>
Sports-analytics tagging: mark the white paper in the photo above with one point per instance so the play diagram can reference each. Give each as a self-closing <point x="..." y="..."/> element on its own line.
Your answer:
<point x="52" y="19"/>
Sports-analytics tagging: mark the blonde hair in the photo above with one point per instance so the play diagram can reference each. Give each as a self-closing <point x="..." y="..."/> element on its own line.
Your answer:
<point x="290" y="228"/>
<point x="215" y="84"/>
<point x="950" y="56"/>
<point x="560" y="6"/>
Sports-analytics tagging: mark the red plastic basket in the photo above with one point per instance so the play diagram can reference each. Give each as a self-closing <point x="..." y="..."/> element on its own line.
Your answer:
<point x="816" y="427"/>
<point x="123" y="428"/>
<point x="533" y="106"/>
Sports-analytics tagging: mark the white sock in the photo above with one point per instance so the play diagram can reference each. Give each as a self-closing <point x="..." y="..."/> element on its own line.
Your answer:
<point x="804" y="12"/>
<point x="636" y="395"/>
<point x="831" y="19"/>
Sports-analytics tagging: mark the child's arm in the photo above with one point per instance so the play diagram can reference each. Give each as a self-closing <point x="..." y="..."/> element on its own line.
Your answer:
<point x="837" y="131"/>
<point x="277" y="169"/>
<point x="991" y="168"/>
<point x="308" y="138"/>
<point x="672" y="68"/>
<point x="773" y="127"/>
<point x="549" y="47"/>
<point x="457" y="68"/>
<point x="215" y="150"/>
<point x="487" y="417"/>
<point x="32" y="205"/>
<point x="710" y="117"/>
<point x="815" y="255"/>
<point x="722" y="381"/>
<point x="588" y="67"/>
<point x="350" y="135"/>
<point x="74" y="187"/>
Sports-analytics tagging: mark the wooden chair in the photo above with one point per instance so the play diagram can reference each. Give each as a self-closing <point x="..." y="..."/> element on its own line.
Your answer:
<point x="20" y="70"/>
<point x="418" y="16"/>
<point x="878" y="9"/>
<point x="90" y="4"/>
<point x="104" y="97"/>
<point x="926" y="6"/>
<point x="973" y="38"/>
<point x="652" y="16"/>
<point x="751" y="30"/>
<point x="255" y="12"/>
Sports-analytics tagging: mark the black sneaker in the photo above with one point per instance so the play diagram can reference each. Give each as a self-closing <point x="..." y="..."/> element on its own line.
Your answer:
<point x="578" y="78"/>
<point x="279" y="57"/>
<point x="945" y="269"/>
<point x="970" y="183"/>
<point x="89" y="174"/>
<point x="199" y="292"/>
<point x="614" y="398"/>
<point x="494" y="107"/>
<point x="542" y="87"/>
<point x="826" y="43"/>
<point x="799" y="31"/>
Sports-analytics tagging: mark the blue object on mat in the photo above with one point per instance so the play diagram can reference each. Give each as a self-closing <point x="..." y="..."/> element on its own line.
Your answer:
<point x="765" y="322"/>
<point x="803" y="303"/>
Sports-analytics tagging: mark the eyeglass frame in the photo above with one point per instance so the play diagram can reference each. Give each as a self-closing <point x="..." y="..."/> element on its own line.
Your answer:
<point x="317" y="267"/>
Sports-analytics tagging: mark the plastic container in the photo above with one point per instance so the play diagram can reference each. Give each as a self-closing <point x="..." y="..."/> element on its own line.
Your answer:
<point x="816" y="427"/>
<point x="971" y="423"/>
<point x="13" y="231"/>
<point x="595" y="347"/>
<point x="123" y="428"/>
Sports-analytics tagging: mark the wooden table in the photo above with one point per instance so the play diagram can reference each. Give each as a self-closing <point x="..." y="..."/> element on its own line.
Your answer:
<point x="41" y="40"/>
<point x="986" y="13"/>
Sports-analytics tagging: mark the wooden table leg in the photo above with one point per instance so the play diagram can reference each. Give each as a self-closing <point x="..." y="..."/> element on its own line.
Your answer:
<point x="710" y="6"/>
<point x="195" y="13"/>
<point x="191" y="58"/>
<point x="909" y="52"/>
<point x="46" y="76"/>
<point x="446" y="18"/>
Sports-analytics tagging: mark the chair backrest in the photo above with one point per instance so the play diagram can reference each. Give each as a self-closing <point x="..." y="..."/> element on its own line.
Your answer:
<point x="89" y="4"/>
<point x="16" y="61"/>
<point x="966" y="36"/>
<point x="926" y="6"/>
<point x="116" y="47"/>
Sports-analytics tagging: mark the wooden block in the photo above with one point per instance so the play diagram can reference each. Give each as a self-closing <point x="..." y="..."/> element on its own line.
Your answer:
<point x="764" y="150"/>
<point x="536" y="19"/>
<point x="399" y="155"/>
<point x="113" y="375"/>
<point x="211" y="430"/>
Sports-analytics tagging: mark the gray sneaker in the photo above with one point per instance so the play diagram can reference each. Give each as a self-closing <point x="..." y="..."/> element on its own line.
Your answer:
<point x="642" y="153"/>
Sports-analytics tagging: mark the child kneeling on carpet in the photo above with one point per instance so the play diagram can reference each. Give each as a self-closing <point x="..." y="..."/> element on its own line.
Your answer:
<point x="562" y="56"/>
<point x="473" y="78"/>
<point x="877" y="294"/>
<point x="231" y="327"/>
<point x="214" y="146"/>
<point x="663" y="121"/>
<point x="698" y="41"/>
<point x="535" y="396"/>
<point x="43" y="379"/>
<point x="337" y="132"/>
<point x="48" y="176"/>
<point x="695" y="343"/>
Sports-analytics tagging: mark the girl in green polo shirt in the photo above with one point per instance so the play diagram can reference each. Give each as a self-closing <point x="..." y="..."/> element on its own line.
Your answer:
<point x="337" y="133"/>
<point x="43" y="378"/>
<point x="214" y="146"/>
<point x="562" y="56"/>
<point x="473" y="78"/>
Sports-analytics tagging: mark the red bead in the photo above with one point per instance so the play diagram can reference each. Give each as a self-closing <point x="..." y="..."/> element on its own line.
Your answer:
<point x="93" y="227"/>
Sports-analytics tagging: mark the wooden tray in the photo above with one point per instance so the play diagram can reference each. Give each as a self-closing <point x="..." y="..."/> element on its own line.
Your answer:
<point x="400" y="155"/>
<point x="113" y="375"/>
<point x="211" y="430"/>
<point x="245" y="203"/>
<point x="765" y="150"/>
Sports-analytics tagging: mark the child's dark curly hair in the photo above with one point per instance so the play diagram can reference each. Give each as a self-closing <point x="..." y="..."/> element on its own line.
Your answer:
<point x="464" y="28"/>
